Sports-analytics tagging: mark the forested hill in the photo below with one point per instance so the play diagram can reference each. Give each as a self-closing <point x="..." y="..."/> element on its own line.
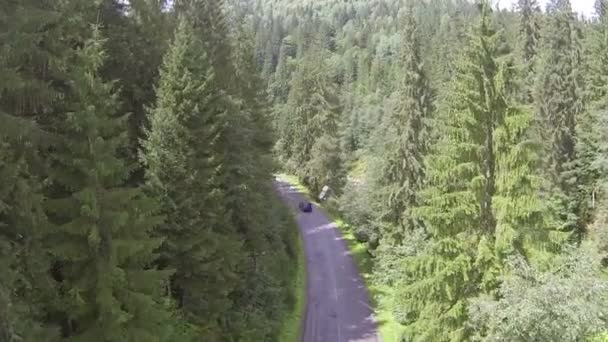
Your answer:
<point x="466" y="146"/>
<point x="136" y="194"/>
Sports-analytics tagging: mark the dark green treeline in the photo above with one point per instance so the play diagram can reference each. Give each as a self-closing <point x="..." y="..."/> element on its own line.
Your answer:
<point x="466" y="145"/>
<point x="469" y="154"/>
<point x="136" y="195"/>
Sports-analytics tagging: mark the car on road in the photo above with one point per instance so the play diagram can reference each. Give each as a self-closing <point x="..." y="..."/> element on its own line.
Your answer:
<point x="305" y="207"/>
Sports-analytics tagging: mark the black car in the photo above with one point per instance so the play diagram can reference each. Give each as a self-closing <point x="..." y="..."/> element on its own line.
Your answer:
<point x="305" y="207"/>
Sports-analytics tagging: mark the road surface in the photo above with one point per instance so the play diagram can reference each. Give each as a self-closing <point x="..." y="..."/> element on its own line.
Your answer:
<point x="337" y="307"/>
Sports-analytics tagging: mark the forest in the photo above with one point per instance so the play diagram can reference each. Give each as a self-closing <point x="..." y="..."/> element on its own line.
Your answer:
<point x="136" y="195"/>
<point x="465" y="145"/>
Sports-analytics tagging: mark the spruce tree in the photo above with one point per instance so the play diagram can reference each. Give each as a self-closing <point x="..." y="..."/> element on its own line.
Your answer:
<point x="184" y="161"/>
<point x="407" y="136"/>
<point x="138" y="34"/>
<point x="312" y="123"/>
<point x="100" y="243"/>
<point x="279" y="87"/>
<point x="325" y="166"/>
<point x="598" y="58"/>
<point x="212" y="27"/>
<point x="32" y="53"/>
<point x="529" y="29"/>
<point x="592" y="146"/>
<point x="261" y="293"/>
<point x="480" y="192"/>
<point x="559" y="103"/>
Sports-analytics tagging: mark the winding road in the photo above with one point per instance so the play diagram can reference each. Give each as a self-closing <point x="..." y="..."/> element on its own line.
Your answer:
<point x="338" y="307"/>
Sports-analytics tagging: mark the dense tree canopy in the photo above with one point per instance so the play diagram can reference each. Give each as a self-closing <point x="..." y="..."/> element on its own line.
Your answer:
<point x="469" y="136"/>
<point x="466" y="145"/>
<point x="137" y="200"/>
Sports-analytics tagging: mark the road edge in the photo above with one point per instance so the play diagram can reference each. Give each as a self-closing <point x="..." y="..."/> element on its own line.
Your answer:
<point x="301" y="292"/>
<point x="304" y="311"/>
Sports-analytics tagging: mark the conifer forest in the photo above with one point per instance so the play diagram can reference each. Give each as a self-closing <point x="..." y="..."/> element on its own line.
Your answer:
<point x="465" y="145"/>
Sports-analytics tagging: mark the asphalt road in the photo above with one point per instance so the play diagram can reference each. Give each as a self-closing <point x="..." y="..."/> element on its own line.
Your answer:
<point x="338" y="307"/>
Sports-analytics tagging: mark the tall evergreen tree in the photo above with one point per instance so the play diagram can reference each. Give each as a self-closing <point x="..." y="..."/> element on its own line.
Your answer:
<point x="32" y="55"/>
<point x="529" y="29"/>
<point x="559" y="101"/>
<point x="311" y="124"/>
<point x="185" y="172"/>
<point x="280" y="87"/>
<point x="138" y="34"/>
<point x="325" y="166"/>
<point x="261" y="294"/>
<point x="476" y="201"/>
<point x="591" y="131"/>
<point x="211" y="26"/>
<point x="100" y="240"/>
<point x="408" y="124"/>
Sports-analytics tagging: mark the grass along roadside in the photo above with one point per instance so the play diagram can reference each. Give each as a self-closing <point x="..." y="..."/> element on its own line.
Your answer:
<point x="389" y="329"/>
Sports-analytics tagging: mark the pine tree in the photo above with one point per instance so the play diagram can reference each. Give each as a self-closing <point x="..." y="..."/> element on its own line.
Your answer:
<point x="138" y="35"/>
<point x="185" y="167"/>
<point x="448" y="42"/>
<point x="212" y="27"/>
<point x="312" y="123"/>
<point x="280" y="87"/>
<point x="596" y="62"/>
<point x="529" y="29"/>
<point x="591" y="131"/>
<point x="325" y="166"/>
<point x="100" y="240"/>
<point x="403" y="172"/>
<point x="481" y="191"/>
<point x="559" y="102"/>
<point x="261" y="293"/>
<point x="32" y="53"/>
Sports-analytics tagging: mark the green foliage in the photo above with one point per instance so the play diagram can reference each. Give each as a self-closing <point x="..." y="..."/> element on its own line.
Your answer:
<point x="405" y="141"/>
<point x="32" y="56"/>
<point x="559" y="102"/>
<point x="311" y="123"/>
<point x="360" y="204"/>
<point x="279" y="89"/>
<point x="519" y="156"/>
<point x="264" y="224"/>
<point x="591" y="136"/>
<point x="138" y="34"/>
<point x="184" y="163"/>
<point x="85" y="255"/>
<point x="564" y="303"/>
<point x="529" y="29"/>
<point x="324" y="167"/>
<point x="100" y="239"/>
<point x="441" y="205"/>
<point x="476" y="199"/>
